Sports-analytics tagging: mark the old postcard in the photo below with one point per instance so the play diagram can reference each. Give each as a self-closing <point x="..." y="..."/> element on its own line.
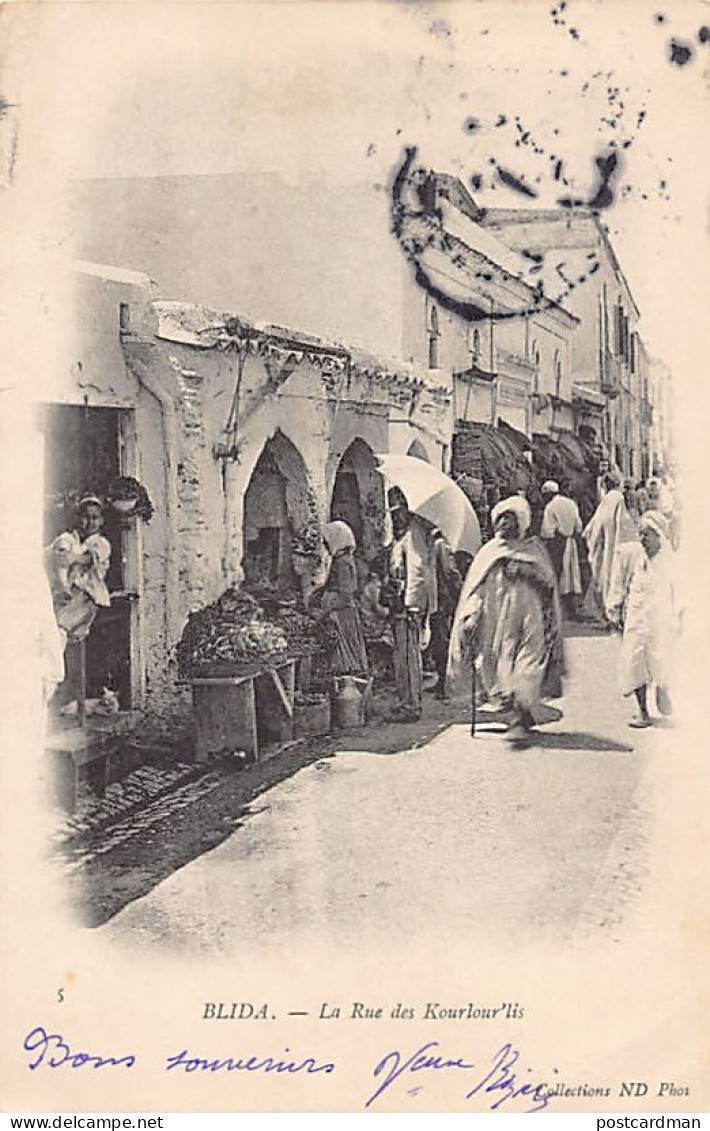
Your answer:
<point x="355" y="603"/>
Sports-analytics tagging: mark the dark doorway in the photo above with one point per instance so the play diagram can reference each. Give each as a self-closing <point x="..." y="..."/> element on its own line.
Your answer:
<point x="83" y="448"/>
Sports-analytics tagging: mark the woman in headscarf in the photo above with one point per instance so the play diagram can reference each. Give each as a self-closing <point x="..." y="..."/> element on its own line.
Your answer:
<point x="508" y="621"/>
<point x="644" y="600"/>
<point x="338" y="601"/>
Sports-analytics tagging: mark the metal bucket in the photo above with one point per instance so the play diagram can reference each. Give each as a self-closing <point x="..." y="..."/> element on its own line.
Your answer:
<point x="349" y="702"/>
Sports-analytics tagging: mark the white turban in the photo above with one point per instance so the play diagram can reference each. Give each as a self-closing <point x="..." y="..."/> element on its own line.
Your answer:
<point x="518" y="506"/>
<point x="655" y="521"/>
<point x="550" y="487"/>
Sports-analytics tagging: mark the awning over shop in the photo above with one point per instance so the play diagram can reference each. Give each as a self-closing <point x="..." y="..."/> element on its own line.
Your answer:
<point x="492" y="455"/>
<point x="569" y="460"/>
<point x="522" y="442"/>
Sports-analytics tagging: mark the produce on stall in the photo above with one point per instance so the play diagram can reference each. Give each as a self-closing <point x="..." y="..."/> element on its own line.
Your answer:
<point x="231" y="635"/>
<point x="242" y="632"/>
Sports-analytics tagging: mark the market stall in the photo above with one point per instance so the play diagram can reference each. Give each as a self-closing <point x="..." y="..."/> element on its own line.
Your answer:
<point x="249" y="660"/>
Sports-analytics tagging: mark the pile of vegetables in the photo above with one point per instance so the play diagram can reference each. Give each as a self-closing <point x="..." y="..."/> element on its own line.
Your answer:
<point x="233" y="633"/>
<point x="305" y="634"/>
<point x="238" y="634"/>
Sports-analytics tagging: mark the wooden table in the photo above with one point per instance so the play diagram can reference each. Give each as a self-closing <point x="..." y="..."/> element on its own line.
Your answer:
<point x="244" y="711"/>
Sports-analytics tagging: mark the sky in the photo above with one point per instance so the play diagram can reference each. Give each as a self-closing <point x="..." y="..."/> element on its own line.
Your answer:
<point x="335" y="91"/>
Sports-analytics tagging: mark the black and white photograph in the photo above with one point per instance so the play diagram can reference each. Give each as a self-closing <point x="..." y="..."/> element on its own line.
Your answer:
<point x="354" y="471"/>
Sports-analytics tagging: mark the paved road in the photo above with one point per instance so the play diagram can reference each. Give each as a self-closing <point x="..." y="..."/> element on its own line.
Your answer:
<point x="419" y="827"/>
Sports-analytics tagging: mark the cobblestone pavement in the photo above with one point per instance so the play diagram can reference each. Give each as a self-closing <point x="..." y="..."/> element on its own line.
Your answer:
<point x="552" y="839"/>
<point x="178" y="816"/>
<point x="171" y="799"/>
<point x="120" y="800"/>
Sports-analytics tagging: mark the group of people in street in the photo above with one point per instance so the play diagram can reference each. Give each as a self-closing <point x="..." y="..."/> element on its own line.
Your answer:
<point x="492" y="626"/>
<point x="631" y="553"/>
<point x="404" y="609"/>
<point x="495" y="630"/>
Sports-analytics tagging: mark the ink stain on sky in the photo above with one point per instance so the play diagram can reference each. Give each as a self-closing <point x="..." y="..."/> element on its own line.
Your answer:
<point x="704" y="35"/>
<point x="514" y="182"/>
<point x="679" y="53"/>
<point x="441" y="29"/>
<point x="607" y="167"/>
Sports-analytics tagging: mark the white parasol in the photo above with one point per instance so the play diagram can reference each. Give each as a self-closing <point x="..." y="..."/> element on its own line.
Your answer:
<point x="433" y="495"/>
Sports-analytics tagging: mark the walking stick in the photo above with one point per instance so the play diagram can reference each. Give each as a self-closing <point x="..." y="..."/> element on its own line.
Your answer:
<point x="473" y="696"/>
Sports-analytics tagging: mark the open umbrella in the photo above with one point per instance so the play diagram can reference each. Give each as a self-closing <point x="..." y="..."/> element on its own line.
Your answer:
<point x="434" y="496"/>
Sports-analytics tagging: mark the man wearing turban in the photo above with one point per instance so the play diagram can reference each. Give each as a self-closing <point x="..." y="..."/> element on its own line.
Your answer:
<point x="561" y="523"/>
<point x="644" y="602"/>
<point x="508" y="624"/>
<point x="412" y="597"/>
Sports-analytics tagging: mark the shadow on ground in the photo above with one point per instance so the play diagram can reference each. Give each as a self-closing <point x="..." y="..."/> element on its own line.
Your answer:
<point x="108" y="876"/>
<point x="108" y="880"/>
<point x="577" y="740"/>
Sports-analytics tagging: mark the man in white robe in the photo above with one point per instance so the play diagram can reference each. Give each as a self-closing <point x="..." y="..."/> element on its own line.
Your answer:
<point x="610" y="526"/>
<point x="561" y="523"/>
<point x="643" y="600"/>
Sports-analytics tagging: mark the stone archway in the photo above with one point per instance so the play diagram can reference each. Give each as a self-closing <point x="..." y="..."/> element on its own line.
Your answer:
<point x="282" y="531"/>
<point x="358" y="497"/>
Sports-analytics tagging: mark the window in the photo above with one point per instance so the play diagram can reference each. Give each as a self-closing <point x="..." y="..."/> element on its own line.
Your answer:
<point x="124" y="317"/>
<point x="558" y="374"/>
<point x="474" y="346"/>
<point x="434" y="337"/>
<point x="535" y="358"/>
<point x="623" y="337"/>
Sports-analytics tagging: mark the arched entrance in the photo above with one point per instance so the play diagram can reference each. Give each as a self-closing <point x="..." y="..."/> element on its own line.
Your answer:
<point x="417" y="449"/>
<point x="359" y="498"/>
<point x="281" y="519"/>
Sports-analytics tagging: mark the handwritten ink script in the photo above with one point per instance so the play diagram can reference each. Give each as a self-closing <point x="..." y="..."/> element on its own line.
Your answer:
<point x="497" y="1080"/>
<point x="500" y="1080"/>
<point x="52" y="1050"/>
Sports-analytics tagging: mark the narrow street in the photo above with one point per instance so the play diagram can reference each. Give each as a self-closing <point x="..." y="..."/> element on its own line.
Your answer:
<point x="393" y="830"/>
